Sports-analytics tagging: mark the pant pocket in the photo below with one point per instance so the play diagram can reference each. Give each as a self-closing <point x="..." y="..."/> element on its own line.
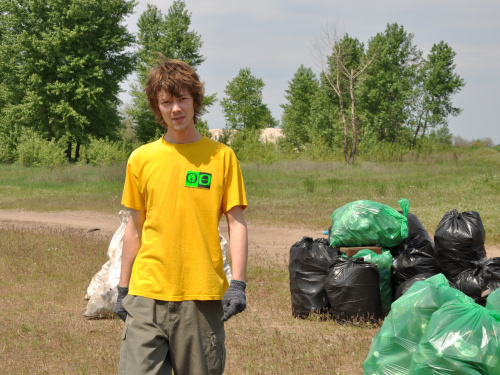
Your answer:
<point x="122" y="362"/>
<point x="124" y="333"/>
<point x="217" y="356"/>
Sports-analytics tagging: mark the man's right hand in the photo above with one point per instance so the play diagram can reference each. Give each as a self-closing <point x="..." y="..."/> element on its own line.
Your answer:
<point x="119" y="309"/>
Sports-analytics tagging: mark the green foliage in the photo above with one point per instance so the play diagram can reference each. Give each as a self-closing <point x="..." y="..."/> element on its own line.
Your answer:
<point x="225" y="136"/>
<point x="170" y="35"/>
<point x="146" y="129"/>
<point x="311" y="122"/>
<point x="9" y="138"/>
<point x="33" y="150"/>
<point x="248" y="147"/>
<point x="348" y="56"/>
<point x="441" y="135"/>
<point x="242" y="106"/>
<point x="297" y="113"/>
<point x="104" y="152"/>
<point x="202" y="128"/>
<point x="61" y="63"/>
<point x="436" y="84"/>
<point x="325" y="119"/>
<point x="388" y="88"/>
<point x="382" y="151"/>
<point x="320" y="149"/>
<point x="387" y="93"/>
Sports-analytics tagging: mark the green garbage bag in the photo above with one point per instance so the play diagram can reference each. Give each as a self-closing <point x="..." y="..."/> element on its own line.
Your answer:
<point x="365" y="223"/>
<point x="493" y="301"/>
<point x="462" y="337"/>
<point x="384" y="263"/>
<point x="393" y="346"/>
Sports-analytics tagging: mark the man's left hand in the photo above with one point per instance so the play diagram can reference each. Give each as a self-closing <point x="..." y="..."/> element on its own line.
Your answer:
<point x="234" y="301"/>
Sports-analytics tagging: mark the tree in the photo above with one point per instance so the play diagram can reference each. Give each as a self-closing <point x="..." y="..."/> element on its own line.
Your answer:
<point x="61" y="63"/>
<point x="438" y="82"/>
<point x="297" y="112"/>
<point x="342" y="70"/>
<point x="170" y="35"/>
<point x="242" y="106"/>
<point x="326" y="124"/>
<point x="389" y="86"/>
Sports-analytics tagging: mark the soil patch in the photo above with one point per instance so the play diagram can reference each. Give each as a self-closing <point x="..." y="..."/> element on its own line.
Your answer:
<point x="271" y="241"/>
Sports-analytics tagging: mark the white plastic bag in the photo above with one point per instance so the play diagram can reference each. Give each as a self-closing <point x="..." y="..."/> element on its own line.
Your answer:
<point x="227" y="268"/>
<point x="102" y="292"/>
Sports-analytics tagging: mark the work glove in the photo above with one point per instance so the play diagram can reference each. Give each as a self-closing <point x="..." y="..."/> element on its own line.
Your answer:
<point x="119" y="309"/>
<point x="234" y="301"/>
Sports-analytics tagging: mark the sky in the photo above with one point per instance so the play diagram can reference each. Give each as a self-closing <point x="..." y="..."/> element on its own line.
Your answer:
<point x="273" y="38"/>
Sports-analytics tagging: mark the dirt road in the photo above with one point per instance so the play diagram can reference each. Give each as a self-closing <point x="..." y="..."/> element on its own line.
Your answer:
<point x="262" y="240"/>
<point x="271" y="240"/>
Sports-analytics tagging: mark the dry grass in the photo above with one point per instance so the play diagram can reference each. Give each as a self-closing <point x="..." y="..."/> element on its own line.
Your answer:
<point x="45" y="273"/>
<point x="44" y="276"/>
<point x="266" y="339"/>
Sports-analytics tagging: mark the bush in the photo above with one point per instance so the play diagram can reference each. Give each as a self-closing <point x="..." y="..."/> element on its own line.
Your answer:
<point x="34" y="150"/>
<point x="248" y="147"/>
<point x="104" y="152"/>
<point x="7" y="152"/>
<point x="381" y="151"/>
<point x="320" y="150"/>
<point x="9" y="138"/>
<point x="225" y="136"/>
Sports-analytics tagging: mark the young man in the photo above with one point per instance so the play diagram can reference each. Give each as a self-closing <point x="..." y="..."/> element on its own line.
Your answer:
<point x="173" y="293"/>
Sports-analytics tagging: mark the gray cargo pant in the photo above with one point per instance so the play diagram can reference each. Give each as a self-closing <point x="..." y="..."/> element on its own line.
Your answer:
<point x="186" y="337"/>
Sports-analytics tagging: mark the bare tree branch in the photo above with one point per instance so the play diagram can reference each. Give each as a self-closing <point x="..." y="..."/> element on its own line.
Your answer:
<point x="329" y="50"/>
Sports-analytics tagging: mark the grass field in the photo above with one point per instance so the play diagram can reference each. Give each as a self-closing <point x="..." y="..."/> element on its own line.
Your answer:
<point x="44" y="273"/>
<point x="44" y="276"/>
<point x="294" y="193"/>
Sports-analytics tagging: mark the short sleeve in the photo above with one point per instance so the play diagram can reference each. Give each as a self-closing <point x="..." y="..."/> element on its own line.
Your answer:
<point x="132" y="193"/>
<point x="234" y="188"/>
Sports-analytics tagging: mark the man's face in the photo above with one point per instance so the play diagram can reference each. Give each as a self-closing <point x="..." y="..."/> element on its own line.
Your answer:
<point x="177" y="112"/>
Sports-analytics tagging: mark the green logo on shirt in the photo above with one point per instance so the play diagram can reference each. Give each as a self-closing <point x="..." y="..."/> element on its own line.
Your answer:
<point x="199" y="180"/>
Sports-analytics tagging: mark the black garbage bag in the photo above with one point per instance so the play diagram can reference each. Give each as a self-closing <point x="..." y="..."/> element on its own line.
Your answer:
<point x="418" y="238"/>
<point x="491" y="274"/>
<point x="353" y="290"/>
<point x="403" y="288"/>
<point x="309" y="262"/>
<point x="471" y="283"/>
<point x="412" y="262"/>
<point x="459" y="242"/>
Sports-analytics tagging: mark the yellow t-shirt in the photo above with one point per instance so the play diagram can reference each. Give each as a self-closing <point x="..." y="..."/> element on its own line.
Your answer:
<point x="184" y="189"/>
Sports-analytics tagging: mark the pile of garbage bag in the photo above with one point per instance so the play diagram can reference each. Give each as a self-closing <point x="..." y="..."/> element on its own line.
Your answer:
<point x="323" y="279"/>
<point x="436" y="329"/>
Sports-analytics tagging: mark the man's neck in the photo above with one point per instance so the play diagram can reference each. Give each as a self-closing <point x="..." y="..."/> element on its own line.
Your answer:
<point x="189" y="135"/>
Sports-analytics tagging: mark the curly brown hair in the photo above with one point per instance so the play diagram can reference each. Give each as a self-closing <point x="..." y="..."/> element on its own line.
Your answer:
<point x="173" y="77"/>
